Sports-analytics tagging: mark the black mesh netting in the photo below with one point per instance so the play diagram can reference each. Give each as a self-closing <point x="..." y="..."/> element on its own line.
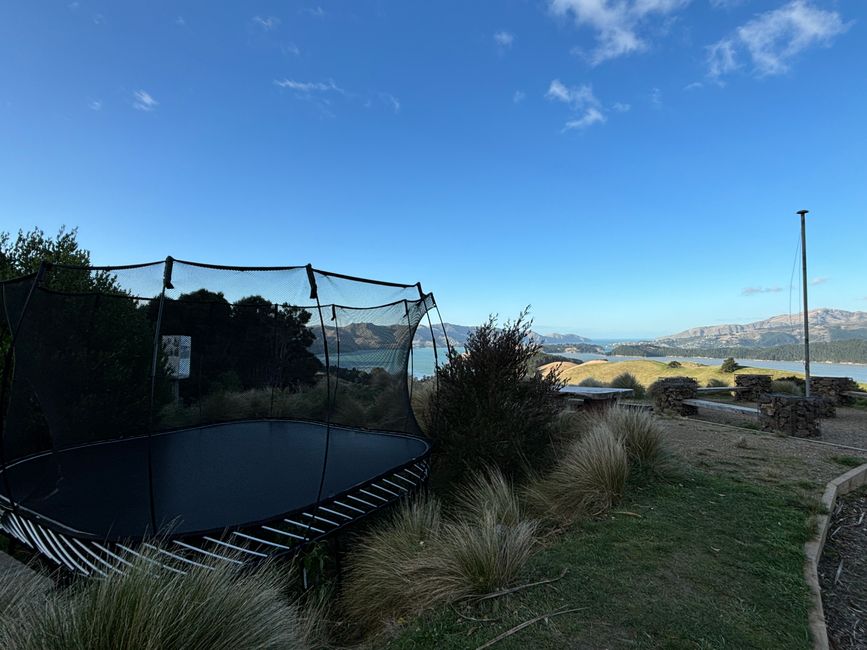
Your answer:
<point x="103" y="367"/>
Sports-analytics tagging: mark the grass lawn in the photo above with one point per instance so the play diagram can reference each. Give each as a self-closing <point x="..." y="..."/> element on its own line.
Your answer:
<point x="710" y="561"/>
<point x="647" y="371"/>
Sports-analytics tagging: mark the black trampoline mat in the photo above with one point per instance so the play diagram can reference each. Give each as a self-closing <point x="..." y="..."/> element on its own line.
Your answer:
<point x="204" y="479"/>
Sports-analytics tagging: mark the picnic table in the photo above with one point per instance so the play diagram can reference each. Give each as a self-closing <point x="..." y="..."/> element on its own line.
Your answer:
<point x="593" y="398"/>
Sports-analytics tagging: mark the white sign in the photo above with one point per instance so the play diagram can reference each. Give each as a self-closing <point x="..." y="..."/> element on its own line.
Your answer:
<point x="177" y="350"/>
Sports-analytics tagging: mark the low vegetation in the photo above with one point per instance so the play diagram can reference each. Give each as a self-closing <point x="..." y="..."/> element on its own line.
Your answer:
<point x="627" y="380"/>
<point x="145" y="609"/>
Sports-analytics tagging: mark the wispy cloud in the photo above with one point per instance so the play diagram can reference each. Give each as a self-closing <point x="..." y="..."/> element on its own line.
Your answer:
<point x="391" y="101"/>
<point x="310" y="86"/>
<point x="621" y="26"/>
<point x="95" y="105"/>
<point x="656" y="98"/>
<point x="180" y="21"/>
<point x="751" y="291"/>
<point x="267" y="23"/>
<point x="143" y="101"/>
<point x="621" y="107"/>
<point x="773" y="39"/>
<point x="819" y="280"/>
<point x="72" y="6"/>
<point x="581" y="100"/>
<point x="316" y="12"/>
<point x="504" y="39"/>
<point x="518" y="96"/>
<point x="695" y="85"/>
<point x="290" y="48"/>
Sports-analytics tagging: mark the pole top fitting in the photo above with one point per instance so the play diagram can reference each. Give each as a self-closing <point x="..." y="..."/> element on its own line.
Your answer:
<point x="802" y="212"/>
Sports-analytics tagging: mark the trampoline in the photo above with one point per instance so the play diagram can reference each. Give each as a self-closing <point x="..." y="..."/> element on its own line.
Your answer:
<point x="212" y="408"/>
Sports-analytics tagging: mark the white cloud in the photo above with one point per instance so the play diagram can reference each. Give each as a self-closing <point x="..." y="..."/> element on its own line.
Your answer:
<point x="143" y="101"/>
<point x="180" y="22"/>
<point x="519" y="96"/>
<point x="721" y="58"/>
<point x="309" y="86"/>
<point x="695" y="85"/>
<point x="73" y="6"/>
<point x="581" y="100"/>
<point x="290" y="48"/>
<point x="751" y="291"/>
<point x="504" y="39"/>
<point x="819" y="280"/>
<point x="774" y="38"/>
<point x="656" y="98"/>
<point x="621" y="107"/>
<point x="620" y="25"/>
<point x="95" y="105"/>
<point x="268" y="23"/>
<point x="317" y="11"/>
<point x="391" y="101"/>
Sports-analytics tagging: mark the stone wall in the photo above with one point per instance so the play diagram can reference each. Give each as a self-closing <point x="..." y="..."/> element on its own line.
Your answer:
<point x="792" y="415"/>
<point x="832" y="388"/>
<point x="668" y="394"/>
<point x="753" y="387"/>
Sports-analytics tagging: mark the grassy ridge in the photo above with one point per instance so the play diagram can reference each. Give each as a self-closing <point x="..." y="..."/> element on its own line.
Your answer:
<point x="701" y="562"/>
<point x="647" y="371"/>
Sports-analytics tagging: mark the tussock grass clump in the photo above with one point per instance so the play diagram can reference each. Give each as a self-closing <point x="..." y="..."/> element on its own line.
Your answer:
<point x="641" y="436"/>
<point x="418" y="559"/>
<point x="216" y="609"/>
<point x="589" y="382"/>
<point x="490" y="493"/>
<point x="786" y="386"/>
<point x="628" y="380"/>
<point x="716" y="383"/>
<point x="588" y="478"/>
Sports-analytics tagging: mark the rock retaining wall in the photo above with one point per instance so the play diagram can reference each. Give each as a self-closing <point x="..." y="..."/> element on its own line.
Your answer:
<point x="792" y="415"/>
<point x="668" y="394"/>
<point x="752" y="387"/>
<point x="832" y="388"/>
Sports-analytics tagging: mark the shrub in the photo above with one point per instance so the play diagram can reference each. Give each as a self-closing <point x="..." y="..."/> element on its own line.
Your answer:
<point x="641" y="435"/>
<point x="589" y="382"/>
<point x="628" y="380"/>
<point x="587" y="480"/>
<point x="675" y="364"/>
<point x="716" y="383"/>
<point x="143" y="609"/>
<point x="489" y="410"/>
<point x="729" y="365"/>
<point x="785" y="386"/>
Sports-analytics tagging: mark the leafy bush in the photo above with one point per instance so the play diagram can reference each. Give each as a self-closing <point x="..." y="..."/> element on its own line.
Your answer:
<point x="628" y="380"/>
<point x="215" y="609"/>
<point x="587" y="480"/>
<point x="716" y="383"/>
<point x="489" y="410"/>
<point x="675" y="364"/>
<point x="641" y="435"/>
<point x="589" y="382"/>
<point x="729" y="365"/>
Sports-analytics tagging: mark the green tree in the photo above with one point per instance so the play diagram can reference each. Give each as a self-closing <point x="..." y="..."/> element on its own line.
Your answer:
<point x="729" y="365"/>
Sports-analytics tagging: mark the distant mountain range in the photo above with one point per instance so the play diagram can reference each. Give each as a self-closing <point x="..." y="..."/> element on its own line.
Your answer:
<point x="826" y="325"/>
<point x="458" y="335"/>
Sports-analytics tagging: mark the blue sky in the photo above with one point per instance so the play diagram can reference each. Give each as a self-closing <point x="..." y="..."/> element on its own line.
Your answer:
<point x="628" y="168"/>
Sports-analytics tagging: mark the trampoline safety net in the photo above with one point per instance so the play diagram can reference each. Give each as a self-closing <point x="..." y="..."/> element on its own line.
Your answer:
<point x="188" y="400"/>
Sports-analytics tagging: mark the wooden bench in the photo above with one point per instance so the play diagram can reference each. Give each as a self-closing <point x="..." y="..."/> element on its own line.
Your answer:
<point x="720" y="389"/>
<point x="855" y="393"/>
<point x="721" y="406"/>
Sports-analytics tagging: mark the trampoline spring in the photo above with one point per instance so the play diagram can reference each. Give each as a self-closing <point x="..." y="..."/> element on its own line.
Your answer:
<point x="114" y="555"/>
<point x="318" y="518"/>
<point x="395" y="485"/>
<point x="334" y="512"/>
<point x="349" y="507"/>
<point x="92" y="566"/>
<point x="354" y="498"/>
<point x="179" y="557"/>
<point x="408" y="470"/>
<point x="58" y="545"/>
<point x="204" y="552"/>
<point x="237" y="548"/>
<point x="150" y="560"/>
<point x="303" y="526"/>
<point x="29" y="527"/>
<point x="262" y="541"/>
<point x="284" y="532"/>
<point x="406" y="480"/>
<point x="96" y="557"/>
<point x="394" y="494"/>
<point x="375" y="496"/>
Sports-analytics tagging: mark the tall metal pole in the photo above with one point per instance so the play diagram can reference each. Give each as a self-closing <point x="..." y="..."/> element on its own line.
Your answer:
<point x="803" y="214"/>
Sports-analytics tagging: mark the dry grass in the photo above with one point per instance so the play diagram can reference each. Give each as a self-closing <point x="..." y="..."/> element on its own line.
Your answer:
<point x="641" y="435"/>
<point x="143" y="610"/>
<point x="587" y="480"/>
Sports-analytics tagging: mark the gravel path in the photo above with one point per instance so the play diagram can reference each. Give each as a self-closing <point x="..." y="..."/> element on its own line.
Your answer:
<point x="843" y="574"/>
